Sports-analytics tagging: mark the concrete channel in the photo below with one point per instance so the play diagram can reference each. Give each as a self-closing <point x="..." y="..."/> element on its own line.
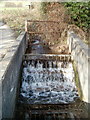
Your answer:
<point x="9" y="75"/>
<point x="16" y="106"/>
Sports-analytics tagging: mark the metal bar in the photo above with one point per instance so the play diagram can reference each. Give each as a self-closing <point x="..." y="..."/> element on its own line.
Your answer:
<point x="51" y="114"/>
<point x="46" y="57"/>
<point x="50" y="111"/>
<point x="34" y="32"/>
<point x="48" y="54"/>
<point x="42" y="21"/>
<point x="41" y="32"/>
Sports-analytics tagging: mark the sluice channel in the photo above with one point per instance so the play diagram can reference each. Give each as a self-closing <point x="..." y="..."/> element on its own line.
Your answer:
<point x="47" y="89"/>
<point x="48" y="82"/>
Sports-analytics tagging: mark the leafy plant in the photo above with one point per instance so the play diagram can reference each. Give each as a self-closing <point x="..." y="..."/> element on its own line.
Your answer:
<point x="80" y="14"/>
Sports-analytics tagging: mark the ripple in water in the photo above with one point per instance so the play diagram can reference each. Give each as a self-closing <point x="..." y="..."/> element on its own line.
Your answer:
<point x="48" y="82"/>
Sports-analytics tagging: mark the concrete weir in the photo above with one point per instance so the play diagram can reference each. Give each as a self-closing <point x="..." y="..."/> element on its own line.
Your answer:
<point x="10" y="74"/>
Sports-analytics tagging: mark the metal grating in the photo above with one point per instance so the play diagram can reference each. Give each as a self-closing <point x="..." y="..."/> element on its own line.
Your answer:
<point x="47" y="57"/>
<point x="51" y="112"/>
<point x="72" y="111"/>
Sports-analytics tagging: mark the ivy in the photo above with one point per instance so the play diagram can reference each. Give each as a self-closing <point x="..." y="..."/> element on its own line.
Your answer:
<point x="80" y="13"/>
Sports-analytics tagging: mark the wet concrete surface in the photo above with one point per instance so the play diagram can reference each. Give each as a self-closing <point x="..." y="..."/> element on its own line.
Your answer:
<point x="39" y="46"/>
<point x="39" y="49"/>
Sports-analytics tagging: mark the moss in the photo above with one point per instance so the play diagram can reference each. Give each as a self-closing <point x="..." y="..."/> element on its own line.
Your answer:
<point x="77" y="81"/>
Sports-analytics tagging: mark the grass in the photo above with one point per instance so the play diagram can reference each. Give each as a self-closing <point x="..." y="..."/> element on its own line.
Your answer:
<point x="15" y="17"/>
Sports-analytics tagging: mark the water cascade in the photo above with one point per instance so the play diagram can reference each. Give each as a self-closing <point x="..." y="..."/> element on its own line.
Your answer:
<point x="48" y="82"/>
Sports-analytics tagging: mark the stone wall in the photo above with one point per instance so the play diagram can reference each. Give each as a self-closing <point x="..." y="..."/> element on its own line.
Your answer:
<point x="81" y="55"/>
<point x="9" y="75"/>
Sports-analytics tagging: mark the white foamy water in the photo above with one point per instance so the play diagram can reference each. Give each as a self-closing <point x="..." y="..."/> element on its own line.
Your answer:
<point x="48" y="82"/>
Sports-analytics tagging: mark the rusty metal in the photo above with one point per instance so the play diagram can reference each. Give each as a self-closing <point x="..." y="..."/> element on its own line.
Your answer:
<point x="51" y="112"/>
<point x="47" y="57"/>
<point x="72" y="111"/>
<point x="42" y="21"/>
<point x="41" y="30"/>
<point x="34" y="32"/>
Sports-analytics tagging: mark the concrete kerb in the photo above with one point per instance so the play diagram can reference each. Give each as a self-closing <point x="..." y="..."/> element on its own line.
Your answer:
<point x="5" y="65"/>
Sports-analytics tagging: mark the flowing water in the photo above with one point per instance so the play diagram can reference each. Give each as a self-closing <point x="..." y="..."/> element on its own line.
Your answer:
<point x="48" y="82"/>
<point x="48" y="89"/>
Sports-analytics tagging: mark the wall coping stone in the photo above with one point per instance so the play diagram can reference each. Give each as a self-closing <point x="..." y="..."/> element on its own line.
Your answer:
<point x="84" y="47"/>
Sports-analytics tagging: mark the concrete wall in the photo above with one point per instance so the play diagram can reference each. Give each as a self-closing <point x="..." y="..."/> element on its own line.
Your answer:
<point x="81" y="55"/>
<point x="9" y="74"/>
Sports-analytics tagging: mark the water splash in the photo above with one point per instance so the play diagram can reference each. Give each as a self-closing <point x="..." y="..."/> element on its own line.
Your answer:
<point x="48" y="82"/>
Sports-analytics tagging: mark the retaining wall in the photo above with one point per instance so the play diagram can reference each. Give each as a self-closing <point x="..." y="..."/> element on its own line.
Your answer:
<point x="81" y="55"/>
<point x="9" y="75"/>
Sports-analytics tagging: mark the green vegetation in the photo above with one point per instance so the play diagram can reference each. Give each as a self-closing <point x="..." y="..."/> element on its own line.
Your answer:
<point x="77" y="80"/>
<point x="80" y="14"/>
<point x="15" y="17"/>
